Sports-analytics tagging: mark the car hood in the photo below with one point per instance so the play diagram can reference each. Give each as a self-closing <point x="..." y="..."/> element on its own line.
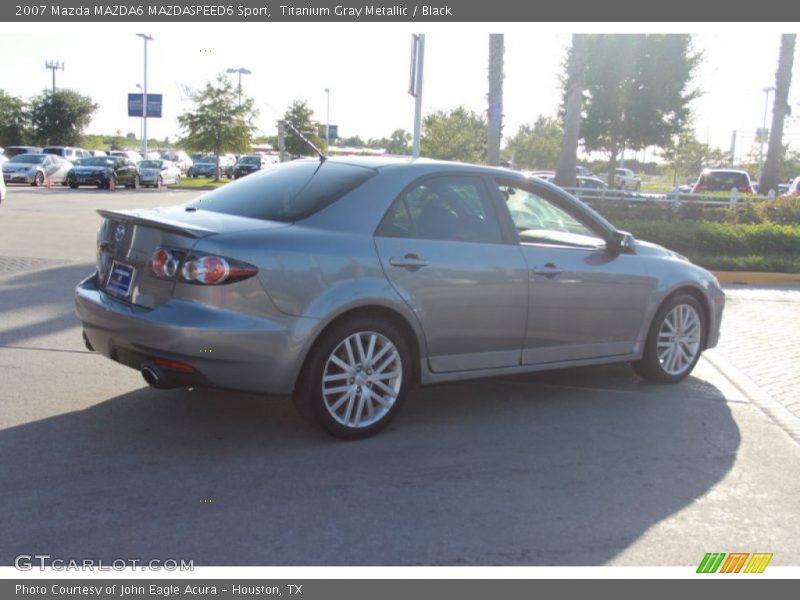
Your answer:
<point x="651" y="249"/>
<point x="89" y="168"/>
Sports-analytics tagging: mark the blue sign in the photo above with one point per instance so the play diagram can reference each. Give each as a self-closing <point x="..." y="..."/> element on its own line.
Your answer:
<point x="136" y="101"/>
<point x="334" y="132"/>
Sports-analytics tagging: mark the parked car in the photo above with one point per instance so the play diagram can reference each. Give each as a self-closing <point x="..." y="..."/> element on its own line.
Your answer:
<point x="69" y="152"/>
<point x="723" y="180"/>
<point x="98" y="152"/>
<point x="35" y="169"/>
<point x="12" y="151"/>
<point x="155" y="173"/>
<point x="251" y="163"/>
<point x="581" y="171"/>
<point x="131" y="155"/>
<point x="180" y="158"/>
<point x="794" y="188"/>
<point x="101" y="171"/>
<point x="346" y="282"/>
<point x="204" y="167"/>
<point x="625" y="179"/>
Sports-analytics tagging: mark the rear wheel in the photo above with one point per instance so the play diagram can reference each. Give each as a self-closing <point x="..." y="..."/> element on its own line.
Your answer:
<point x="674" y="342"/>
<point x="356" y="378"/>
<point x="74" y="186"/>
<point x="135" y="183"/>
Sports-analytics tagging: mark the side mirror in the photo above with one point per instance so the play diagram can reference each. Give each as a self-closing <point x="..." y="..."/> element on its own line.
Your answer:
<point x="621" y="242"/>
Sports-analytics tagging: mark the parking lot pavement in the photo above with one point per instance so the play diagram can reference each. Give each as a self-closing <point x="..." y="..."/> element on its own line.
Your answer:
<point x="760" y="339"/>
<point x="578" y="467"/>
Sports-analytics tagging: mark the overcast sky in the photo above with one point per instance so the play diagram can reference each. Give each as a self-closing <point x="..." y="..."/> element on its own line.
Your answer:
<point x="366" y="65"/>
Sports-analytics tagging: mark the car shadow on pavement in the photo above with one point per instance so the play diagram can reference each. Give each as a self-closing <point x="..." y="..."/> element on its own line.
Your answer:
<point x="45" y="293"/>
<point x="555" y="469"/>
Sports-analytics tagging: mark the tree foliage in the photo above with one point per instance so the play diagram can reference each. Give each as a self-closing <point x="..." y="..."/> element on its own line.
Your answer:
<point x="301" y="116"/>
<point x="458" y="135"/>
<point x="536" y="146"/>
<point x="14" y="120"/>
<point x="218" y="123"/>
<point x="398" y="143"/>
<point x="638" y="91"/>
<point x="60" y="117"/>
<point x="687" y="156"/>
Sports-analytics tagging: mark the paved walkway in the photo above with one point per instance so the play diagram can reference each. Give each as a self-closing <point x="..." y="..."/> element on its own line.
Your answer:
<point x="761" y="339"/>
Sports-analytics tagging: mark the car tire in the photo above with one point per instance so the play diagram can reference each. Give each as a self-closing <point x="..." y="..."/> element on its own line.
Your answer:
<point x="675" y="341"/>
<point x="135" y="183"/>
<point x="159" y="183"/>
<point x="112" y="178"/>
<point x="38" y="179"/>
<point x="74" y="186"/>
<point x="356" y="378"/>
<point x="178" y="180"/>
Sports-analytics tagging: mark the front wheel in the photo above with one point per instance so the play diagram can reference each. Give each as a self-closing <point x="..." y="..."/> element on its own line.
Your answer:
<point x="674" y="342"/>
<point x="356" y="378"/>
<point x="38" y="179"/>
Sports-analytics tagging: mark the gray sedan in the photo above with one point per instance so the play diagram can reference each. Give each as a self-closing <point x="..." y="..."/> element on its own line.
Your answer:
<point x="159" y="172"/>
<point x="36" y="169"/>
<point x="346" y="282"/>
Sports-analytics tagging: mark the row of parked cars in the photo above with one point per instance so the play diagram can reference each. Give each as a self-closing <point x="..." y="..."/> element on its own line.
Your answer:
<point x="75" y="167"/>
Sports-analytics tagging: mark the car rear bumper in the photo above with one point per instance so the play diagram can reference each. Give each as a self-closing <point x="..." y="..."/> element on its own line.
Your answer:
<point x="224" y="349"/>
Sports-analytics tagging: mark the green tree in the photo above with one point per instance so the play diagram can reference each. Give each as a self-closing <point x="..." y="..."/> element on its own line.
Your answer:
<point x="352" y="142"/>
<point x="687" y="156"/>
<point x="494" y="130"/>
<point x="398" y="143"/>
<point x="770" y="176"/>
<point x="637" y="91"/>
<point x="60" y="117"/>
<point x="456" y="135"/>
<point x="536" y="146"/>
<point x="14" y="120"/>
<point x="218" y="123"/>
<point x="301" y="116"/>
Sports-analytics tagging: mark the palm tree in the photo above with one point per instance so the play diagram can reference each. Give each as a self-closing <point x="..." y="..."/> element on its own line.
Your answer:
<point x="576" y="74"/>
<point x="495" y="113"/>
<point x="770" y="175"/>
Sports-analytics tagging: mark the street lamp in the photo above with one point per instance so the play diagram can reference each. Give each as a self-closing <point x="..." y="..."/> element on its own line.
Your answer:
<point x="147" y="38"/>
<point x="241" y="71"/>
<point x="766" y="91"/>
<point x="141" y="119"/>
<point x="328" y="120"/>
<point x="54" y="66"/>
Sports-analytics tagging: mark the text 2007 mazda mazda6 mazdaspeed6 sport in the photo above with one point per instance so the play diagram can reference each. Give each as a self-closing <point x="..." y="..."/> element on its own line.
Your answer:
<point x="346" y="282"/>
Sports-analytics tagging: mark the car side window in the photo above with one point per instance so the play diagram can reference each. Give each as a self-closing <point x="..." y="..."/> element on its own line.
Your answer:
<point x="540" y="220"/>
<point x="452" y="208"/>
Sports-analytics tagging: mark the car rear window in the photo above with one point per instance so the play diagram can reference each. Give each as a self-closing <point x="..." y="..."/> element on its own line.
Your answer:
<point x="289" y="192"/>
<point x="723" y="181"/>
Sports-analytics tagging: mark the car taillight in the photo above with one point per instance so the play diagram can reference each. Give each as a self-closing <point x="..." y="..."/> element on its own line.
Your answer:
<point x="164" y="263"/>
<point x="214" y="270"/>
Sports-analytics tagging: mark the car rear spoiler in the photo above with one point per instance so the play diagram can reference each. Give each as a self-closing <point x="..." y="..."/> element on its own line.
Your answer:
<point x="130" y="216"/>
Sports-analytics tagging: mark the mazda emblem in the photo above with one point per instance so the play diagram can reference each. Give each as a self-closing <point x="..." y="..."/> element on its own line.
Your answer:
<point x="119" y="232"/>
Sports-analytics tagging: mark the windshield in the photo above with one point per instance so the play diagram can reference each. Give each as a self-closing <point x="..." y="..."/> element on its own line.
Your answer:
<point x="95" y="161"/>
<point x="150" y="164"/>
<point x="289" y="192"/>
<point x="250" y="160"/>
<point x="30" y="159"/>
<point x="207" y="159"/>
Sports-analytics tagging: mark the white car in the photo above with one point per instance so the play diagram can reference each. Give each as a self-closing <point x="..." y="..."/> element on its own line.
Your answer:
<point x="159" y="172"/>
<point x="180" y="158"/>
<point x="625" y="179"/>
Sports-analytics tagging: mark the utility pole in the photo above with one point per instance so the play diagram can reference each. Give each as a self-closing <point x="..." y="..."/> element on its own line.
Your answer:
<point x="415" y="85"/>
<point x="241" y="71"/>
<point x="54" y="66"/>
<point x="733" y="147"/>
<point x="147" y="38"/>
<point x="328" y="121"/>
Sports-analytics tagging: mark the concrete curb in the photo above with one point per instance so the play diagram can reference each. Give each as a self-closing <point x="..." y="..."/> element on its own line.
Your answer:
<point x="752" y="277"/>
<point x="757" y="395"/>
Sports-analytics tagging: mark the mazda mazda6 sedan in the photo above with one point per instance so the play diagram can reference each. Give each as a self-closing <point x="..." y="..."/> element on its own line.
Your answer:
<point x="346" y="282"/>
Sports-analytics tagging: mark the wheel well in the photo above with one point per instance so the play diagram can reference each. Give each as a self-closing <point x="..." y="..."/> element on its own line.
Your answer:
<point x="700" y="297"/>
<point x="383" y="313"/>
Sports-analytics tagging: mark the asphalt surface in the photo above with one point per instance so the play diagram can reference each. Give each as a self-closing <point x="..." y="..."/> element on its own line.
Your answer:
<point x="577" y="467"/>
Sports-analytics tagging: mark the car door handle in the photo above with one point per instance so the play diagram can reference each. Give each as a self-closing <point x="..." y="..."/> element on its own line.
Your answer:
<point x="409" y="261"/>
<point x="549" y="270"/>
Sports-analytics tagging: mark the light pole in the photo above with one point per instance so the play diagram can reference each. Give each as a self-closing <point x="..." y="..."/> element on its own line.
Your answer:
<point x="147" y="38"/>
<point x="241" y="71"/>
<point x="141" y="119"/>
<point x="54" y="66"/>
<point x="766" y="91"/>
<point x="328" y="120"/>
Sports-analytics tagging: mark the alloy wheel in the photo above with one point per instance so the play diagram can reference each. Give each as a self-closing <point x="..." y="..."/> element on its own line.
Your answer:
<point x="362" y="379"/>
<point x="679" y="339"/>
